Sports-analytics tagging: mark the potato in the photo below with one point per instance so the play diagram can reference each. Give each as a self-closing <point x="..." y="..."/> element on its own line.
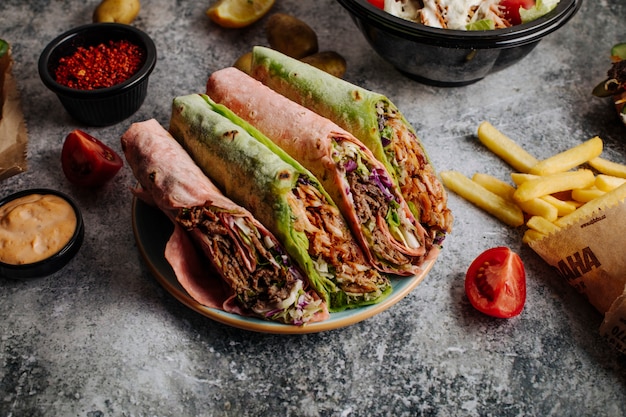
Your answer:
<point x="570" y="158"/>
<point x="506" y="148"/>
<point x="607" y="167"/>
<point x="329" y="61"/>
<point x="244" y="63"/>
<point x="507" y="211"/>
<point x="605" y="200"/>
<point x="608" y="182"/>
<point x="553" y="183"/>
<point x="291" y="36"/>
<point x="549" y="191"/>
<point x="541" y="224"/>
<point x="117" y="11"/>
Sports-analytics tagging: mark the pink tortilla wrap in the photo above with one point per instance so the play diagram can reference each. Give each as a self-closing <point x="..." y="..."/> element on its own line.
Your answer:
<point x="209" y="226"/>
<point x="359" y="184"/>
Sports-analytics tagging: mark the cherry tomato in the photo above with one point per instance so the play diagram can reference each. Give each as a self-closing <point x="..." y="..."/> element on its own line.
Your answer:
<point x="495" y="283"/>
<point x="88" y="162"/>
<point x="511" y="9"/>
<point x="378" y="3"/>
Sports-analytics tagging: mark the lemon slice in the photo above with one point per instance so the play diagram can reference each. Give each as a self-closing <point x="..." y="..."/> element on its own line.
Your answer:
<point x="238" y="13"/>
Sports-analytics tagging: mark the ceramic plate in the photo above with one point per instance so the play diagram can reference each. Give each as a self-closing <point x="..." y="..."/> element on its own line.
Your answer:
<point x="152" y="231"/>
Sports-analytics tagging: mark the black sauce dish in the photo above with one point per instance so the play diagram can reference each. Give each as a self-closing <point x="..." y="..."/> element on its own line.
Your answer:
<point x="446" y="57"/>
<point x="103" y="106"/>
<point x="54" y="262"/>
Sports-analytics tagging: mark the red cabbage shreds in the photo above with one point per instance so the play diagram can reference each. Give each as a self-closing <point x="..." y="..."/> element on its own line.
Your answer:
<point x="304" y="180"/>
<point x="380" y="178"/>
<point x="298" y="274"/>
<point x="302" y="301"/>
<point x="350" y="165"/>
<point x="439" y="238"/>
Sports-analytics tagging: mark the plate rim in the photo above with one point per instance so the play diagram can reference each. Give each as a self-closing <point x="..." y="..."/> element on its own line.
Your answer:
<point x="256" y="324"/>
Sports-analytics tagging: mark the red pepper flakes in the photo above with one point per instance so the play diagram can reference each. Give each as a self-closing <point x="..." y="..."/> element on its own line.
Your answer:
<point x="101" y="66"/>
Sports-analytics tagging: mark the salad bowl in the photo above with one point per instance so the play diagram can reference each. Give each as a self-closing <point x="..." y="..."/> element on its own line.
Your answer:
<point x="451" y="57"/>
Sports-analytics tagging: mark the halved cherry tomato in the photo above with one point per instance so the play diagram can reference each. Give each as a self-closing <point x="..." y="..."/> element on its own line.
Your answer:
<point x="495" y="283"/>
<point x="511" y="9"/>
<point x="378" y="3"/>
<point x="88" y="162"/>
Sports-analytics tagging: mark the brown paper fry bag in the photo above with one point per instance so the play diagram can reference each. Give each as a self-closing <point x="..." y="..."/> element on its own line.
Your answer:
<point x="589" y="253"/>
<point x="13" y="134"/>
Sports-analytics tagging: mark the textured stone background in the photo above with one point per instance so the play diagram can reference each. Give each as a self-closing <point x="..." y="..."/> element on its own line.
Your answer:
<point x="103" y="338"/>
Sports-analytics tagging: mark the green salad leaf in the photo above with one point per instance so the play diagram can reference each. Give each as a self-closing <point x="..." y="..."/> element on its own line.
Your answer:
<point x="541" y="7"/>
<point x="483" y="24"/>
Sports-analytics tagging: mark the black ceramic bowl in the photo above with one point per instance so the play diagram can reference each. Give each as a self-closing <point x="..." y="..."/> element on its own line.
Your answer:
<point x="54" y="262"/>
<point x="104" y="106"/>
<point x="449" y="57"/>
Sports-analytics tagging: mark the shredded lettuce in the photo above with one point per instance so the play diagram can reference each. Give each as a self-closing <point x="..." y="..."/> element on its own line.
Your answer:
<point x="352" y="158"/>
<point x="483" y="24"/>
<point x="299" y="309"/>
<point x="541" y="7"/>
<point x="386" y="135"/>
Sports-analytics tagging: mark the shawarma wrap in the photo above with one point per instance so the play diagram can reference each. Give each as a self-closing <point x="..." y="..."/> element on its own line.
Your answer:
<point x="357" y="182"/>
<point x="374" y="120"/>
<point x="284" y="196"/>
<point x="258" y="278"/>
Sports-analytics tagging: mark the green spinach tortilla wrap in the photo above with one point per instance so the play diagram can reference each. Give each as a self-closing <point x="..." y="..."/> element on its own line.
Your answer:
<point x="374" y="120"/>
<point x="283" y="196"/>
<point x="357" y="182"/>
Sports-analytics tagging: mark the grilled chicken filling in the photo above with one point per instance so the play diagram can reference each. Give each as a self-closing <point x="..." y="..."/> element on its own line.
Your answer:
<point x="370" y="205"/>
<point x="392" y="237"/>
<point x="416" y="177"/>
<point x="337" y="256"/>
<point x="449" y="14"/>
<point x="261" y="275"/>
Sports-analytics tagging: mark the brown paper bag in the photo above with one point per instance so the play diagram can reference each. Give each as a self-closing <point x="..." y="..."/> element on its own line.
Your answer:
<point x="13" y="134"/>
<point x="589" y="253"/>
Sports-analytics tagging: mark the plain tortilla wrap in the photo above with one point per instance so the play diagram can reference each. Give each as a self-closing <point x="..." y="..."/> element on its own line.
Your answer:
<point x="265" y="180"/>
<point x="374" y="120"/>
<point x="210" y="227"/>
<point x="358" y="183"/>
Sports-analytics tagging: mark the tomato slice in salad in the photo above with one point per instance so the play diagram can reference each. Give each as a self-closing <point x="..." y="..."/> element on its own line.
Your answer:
<point x="378" y="3"/>
<point x="495" y="283"/>
<point x="511" y="8"/>
<point x="86" y="161"/>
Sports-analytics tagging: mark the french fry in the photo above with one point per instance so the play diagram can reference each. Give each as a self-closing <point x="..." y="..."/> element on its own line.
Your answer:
<point x="540" y="224"/>
<point x="563" y="207"/>
<point x="585" y="195"/>
<point x="554" y="183"/>
<point x="495" y="185"/>
<point x="550" y="193"/>
<point x="607" y="167"/>
<point x="534" y="207"/>
<point x="570" y="158"/>
<point x="586" y="210"/>
<point x="478" y="195"/>
<point x="608" y="182"/>
<point x="532" y="235"/>
<point x="519" y="178"/>
<point x="539" y="207"/>
<point x="504" y="147"/>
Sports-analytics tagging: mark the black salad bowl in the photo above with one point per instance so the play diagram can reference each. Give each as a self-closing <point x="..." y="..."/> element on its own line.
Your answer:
<point x="446" y="57"/>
